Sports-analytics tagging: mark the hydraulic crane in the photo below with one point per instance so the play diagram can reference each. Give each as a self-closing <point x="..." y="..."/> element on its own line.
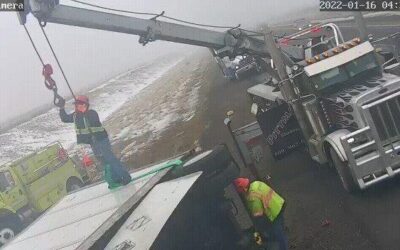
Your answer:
<point x="230" y="43"/>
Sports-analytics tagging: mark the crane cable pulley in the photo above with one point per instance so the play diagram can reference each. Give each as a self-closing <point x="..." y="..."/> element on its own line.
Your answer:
<point x="47" y="71"/>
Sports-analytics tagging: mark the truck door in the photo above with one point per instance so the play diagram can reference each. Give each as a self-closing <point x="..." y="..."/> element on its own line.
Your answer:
<point x="11" y="191"/>
<point x="281" y="130"/>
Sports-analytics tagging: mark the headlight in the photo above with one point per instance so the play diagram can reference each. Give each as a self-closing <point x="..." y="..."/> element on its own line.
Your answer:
<point x="237" y="67"/>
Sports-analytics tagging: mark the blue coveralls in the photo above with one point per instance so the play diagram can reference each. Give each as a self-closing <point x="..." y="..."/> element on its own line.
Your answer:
<point x="89" y="130"/>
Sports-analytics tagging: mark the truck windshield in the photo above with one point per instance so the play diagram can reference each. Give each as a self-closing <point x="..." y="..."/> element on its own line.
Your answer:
<point x="345" y="72"/>
<point x="6" y="181"/>
<point x="360" y="65"/>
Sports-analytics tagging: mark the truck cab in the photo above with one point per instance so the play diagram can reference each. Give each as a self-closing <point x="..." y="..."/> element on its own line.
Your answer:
<point x="31" y="185"/>
<point x="352" y="108"/>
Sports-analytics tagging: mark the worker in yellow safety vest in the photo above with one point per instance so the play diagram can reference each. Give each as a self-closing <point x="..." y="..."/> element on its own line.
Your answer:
<point x="266" y="207"/>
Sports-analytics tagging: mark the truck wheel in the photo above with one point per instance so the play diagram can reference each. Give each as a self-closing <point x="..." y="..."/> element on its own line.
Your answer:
<point x="73" y="184"/>
<point x="9" y="227"/>
<point x="343" y="170"/>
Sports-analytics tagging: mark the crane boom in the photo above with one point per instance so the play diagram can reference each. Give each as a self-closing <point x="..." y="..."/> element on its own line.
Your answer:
<point x="229" y="43"/>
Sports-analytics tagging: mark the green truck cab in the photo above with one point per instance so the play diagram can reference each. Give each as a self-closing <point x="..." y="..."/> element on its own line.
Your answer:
<point x="31" y="185"/>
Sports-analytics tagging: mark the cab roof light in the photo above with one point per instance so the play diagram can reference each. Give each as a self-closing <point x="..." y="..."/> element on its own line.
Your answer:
<point x="344" y="47"/>
<point x="337" y="50"/>
<point x="356" y="40"/>
<point x="311" y="60"/>
<point x="352" y="44"/>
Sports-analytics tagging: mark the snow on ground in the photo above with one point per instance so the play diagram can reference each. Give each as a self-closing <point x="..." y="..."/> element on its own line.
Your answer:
<point x="170" y="101"/>
<point x="106" y="98"/>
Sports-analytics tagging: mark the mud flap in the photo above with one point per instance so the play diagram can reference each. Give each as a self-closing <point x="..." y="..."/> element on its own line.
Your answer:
<point x="281" y="130"/>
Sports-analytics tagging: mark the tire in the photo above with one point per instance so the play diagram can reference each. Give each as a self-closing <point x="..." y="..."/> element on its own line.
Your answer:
<point x="215" y="160"/>
<point x="343" y="171"/>
<point x="9" y="227"/>
<point x="73" y="184"/>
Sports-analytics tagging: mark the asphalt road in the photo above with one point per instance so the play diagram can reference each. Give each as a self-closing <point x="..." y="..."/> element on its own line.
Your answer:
<point x="320" y="214"/>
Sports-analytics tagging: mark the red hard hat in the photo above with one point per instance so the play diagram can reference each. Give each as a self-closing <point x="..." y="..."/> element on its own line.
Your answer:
<point x="82" y="98"/>
<point x="241" y="184"/>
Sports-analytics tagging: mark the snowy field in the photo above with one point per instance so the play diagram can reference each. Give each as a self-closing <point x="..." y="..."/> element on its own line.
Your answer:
<point x="107" y="98"/>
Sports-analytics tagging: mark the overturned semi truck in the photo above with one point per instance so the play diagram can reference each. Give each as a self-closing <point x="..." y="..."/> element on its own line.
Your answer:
<point x="179" y="203"/>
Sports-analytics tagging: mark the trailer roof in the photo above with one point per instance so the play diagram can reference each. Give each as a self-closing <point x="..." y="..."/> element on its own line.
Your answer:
<point x="142" y="227"/>
<point x="78" y="215"/>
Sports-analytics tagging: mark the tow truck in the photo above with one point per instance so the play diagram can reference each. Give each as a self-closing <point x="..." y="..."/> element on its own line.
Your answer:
<point x="135" y="217"/>
<point x="240" y="67"/>
<point x="349" y="94"/>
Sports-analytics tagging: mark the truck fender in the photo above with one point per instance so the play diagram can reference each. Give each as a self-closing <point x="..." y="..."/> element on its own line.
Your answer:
<point x="333" y="140"/>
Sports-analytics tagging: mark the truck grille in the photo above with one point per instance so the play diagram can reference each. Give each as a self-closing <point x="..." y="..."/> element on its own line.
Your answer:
<point x="386" y="116"/>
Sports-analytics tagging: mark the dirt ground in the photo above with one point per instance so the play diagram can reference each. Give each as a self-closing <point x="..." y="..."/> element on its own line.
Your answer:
<point x="319" y="213"/>
<point x="215" y="96"/>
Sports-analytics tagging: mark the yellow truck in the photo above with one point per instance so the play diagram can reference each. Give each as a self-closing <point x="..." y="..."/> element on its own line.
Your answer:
<point x="31" y="185"/>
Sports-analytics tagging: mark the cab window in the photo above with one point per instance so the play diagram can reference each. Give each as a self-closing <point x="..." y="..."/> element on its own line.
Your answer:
<point x="362" y="64"/>
<point x="6" y="181"/>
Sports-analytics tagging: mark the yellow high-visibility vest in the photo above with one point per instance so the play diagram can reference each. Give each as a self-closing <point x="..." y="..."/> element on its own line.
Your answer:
<point x="87" y="129"/>
<point x="262" y="198"/>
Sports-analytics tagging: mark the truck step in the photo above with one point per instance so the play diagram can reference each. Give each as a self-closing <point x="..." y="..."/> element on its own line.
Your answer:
<point x="363" y="146"/>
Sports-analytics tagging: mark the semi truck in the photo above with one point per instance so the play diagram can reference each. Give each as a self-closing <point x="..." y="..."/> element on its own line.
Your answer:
<point x="240" y="67"/>
<point x="350" y="97"/>
<point x="34" y="183"/>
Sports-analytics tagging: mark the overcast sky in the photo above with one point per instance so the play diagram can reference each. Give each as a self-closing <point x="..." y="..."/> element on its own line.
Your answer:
<point x="91" y="56"/>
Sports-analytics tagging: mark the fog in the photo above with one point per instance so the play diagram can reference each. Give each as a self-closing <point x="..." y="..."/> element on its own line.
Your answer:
<point x="91" y="56"/>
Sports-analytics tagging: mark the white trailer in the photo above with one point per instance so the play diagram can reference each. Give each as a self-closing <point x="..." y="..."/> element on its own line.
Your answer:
<point x="136" y="216"/>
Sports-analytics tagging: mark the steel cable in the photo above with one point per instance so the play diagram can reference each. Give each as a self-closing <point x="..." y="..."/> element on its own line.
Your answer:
<point x="154" y="14"/>
<point x="58" y="62"/>
<point x="33" y="45"/>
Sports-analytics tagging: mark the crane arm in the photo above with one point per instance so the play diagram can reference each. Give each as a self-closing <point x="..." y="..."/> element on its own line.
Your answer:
<point x="229" y="43"/>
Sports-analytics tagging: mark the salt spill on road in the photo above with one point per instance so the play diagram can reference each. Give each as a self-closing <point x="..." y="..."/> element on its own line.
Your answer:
<point x="107" y="98"/>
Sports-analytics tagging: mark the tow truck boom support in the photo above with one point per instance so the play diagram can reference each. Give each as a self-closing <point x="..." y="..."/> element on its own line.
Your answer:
<point x="229" y="43"/>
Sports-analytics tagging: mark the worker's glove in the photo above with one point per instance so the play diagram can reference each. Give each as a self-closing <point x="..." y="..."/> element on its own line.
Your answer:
<point x="257" y="238"/>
